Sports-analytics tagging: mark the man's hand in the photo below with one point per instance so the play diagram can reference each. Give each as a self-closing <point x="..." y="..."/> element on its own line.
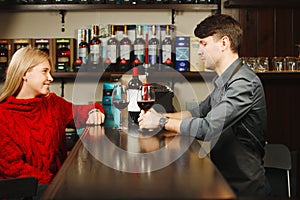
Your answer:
<point x="149" y="119"/>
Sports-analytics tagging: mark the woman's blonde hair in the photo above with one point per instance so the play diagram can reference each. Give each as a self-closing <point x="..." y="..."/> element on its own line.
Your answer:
<point x="23" y="60"/>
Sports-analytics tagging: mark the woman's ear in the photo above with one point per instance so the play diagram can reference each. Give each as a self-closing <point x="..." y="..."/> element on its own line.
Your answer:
<point x="25" y="77"/>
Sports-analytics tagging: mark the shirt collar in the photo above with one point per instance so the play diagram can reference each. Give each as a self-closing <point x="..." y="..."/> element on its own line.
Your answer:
<point x="220" y="81"/>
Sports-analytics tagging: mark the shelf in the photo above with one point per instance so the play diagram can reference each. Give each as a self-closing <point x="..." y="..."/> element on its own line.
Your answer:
<point x="276" y="75"/>
<point x="167" y="76"/>
<point x="261" y="3"/>
<point x="153" y="76"/>
<point x="91" y="7"/>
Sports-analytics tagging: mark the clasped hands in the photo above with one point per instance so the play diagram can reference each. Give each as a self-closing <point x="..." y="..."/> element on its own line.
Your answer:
<point x="149" y="119"/>
<point x="96" y="117"/>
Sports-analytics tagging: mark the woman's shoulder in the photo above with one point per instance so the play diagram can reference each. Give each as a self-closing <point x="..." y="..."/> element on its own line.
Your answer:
<point x="53" y="98"/>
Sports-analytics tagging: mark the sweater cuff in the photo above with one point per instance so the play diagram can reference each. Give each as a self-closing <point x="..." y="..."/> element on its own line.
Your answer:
<point x="98" y="106"/>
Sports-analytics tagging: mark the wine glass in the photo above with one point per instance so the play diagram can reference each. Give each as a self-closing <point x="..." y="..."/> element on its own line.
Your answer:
<point x="120" y="100"/>
<point x="146" y="97"/>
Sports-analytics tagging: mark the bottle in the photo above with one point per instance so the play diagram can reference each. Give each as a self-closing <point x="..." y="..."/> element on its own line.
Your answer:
<point x="153" y="49"/>
<point x="95" y="49"/>
<point x="125" y="52"/>
<point x="44" y="47"/>
<point x="3" y="57"/>
<point x="133" y="86"/>
<point x="18" y="46"/>
<point x="166" y="56"/>
<point x="139" y="46"/>
<point x="83" y="48"/>
<point x="112" y="50"/>
<point x="63" y="57"/>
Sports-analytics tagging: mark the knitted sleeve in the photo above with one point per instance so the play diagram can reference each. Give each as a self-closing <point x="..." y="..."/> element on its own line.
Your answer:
<point x="71" y="113"/>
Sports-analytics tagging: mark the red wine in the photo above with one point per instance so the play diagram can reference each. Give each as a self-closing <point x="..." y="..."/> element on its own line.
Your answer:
<point x="145" y="104"/>
<point x="120" y="104"/>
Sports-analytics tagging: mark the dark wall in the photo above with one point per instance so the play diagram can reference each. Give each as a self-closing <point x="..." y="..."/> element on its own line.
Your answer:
<point x="270" y="31"/>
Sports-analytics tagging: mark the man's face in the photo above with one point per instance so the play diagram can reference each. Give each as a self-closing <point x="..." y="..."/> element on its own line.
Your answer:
<point x="209" y="51"/>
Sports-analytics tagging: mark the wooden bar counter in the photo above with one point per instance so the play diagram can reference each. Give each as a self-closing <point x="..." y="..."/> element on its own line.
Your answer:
<point x="111" y="164"/>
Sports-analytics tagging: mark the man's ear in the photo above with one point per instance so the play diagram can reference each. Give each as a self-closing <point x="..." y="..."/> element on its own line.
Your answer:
<point x="224" y="43"/>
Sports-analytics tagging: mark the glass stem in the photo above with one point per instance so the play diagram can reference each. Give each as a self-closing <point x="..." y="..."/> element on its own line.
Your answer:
<point x="120" y="125"/>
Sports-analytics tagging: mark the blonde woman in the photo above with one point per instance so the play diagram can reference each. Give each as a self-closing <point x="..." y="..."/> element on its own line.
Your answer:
<point x="33" y="120"/>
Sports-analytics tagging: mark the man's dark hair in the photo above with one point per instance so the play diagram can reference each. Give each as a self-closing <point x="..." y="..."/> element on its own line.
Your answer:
<point x="220" y="25"/>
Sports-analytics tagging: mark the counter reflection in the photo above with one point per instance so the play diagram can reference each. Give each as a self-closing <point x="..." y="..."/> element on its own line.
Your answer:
<point x="133" y="151"/>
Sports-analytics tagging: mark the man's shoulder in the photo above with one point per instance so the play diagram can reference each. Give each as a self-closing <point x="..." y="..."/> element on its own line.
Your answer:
<point x="247" y="73"/>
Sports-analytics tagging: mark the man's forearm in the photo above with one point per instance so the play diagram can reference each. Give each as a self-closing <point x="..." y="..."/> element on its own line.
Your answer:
<point x="173" y="125"/>
<point x="179" y="115"/>
<point x="175" y="120"/>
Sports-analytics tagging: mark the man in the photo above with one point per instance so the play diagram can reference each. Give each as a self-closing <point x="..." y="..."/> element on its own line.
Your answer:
<point x="233" y="117"/>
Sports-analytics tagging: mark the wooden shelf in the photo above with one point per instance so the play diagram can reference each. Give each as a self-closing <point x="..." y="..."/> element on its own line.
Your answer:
<point x="283" y="75"/>
<point x="91" y="7"/>
<point x="167" y="76"/>
<point x="261" y="3"/>
<point x="153" y="76"/>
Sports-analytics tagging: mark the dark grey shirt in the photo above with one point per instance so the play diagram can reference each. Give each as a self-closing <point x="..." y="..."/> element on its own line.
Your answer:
<point x="233" y="118"/>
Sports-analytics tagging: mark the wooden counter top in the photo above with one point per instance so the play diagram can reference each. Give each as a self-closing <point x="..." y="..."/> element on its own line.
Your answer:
<point x="108" y="164"/>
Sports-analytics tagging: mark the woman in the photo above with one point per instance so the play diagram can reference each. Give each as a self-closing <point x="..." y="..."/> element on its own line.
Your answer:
<point x="33" y="120"/>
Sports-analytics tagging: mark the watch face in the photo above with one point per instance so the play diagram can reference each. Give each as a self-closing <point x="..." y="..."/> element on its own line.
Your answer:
<point x="163" y="121"/>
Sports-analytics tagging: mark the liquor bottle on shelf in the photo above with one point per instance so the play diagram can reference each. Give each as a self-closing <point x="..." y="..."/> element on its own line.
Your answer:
<point x="19" y="43"/>
<point x="139" y="46"/>
<point x="83" y="48"/>
<point x="153" y="49"/>
<point x="43" y="45"/>
<point x="133" y="86"/>
<point x="45" y="48"/>
<point x="77" y="65"/>
<point x="113" y="50"/>
<point x="63" y="56"/>
<point x="95" y="49"/>
<point x="125" y="52"/>
<point x="131" y="32"/>
<point x="167" y="49"/>
<point x="3" y="56"/>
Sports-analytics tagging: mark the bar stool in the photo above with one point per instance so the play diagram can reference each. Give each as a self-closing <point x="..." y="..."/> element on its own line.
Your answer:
<point x="277" y="159"/>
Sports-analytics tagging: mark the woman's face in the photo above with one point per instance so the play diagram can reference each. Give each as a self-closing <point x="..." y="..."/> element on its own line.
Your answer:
<point x="37" y="80"/>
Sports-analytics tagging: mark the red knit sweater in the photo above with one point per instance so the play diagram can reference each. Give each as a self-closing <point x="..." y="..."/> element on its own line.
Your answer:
<point x="32" y="136"/>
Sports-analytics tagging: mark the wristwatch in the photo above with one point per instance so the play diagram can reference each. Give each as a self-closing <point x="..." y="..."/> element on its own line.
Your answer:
<point x="162" y="121"/>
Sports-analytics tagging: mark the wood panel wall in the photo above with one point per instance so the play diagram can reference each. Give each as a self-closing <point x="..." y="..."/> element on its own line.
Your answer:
<point x="270" y="31"/>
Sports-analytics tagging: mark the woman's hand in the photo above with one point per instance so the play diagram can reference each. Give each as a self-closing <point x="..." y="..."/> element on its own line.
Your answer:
<point x="96" y="117"/>
<point x="149" y="119"/>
